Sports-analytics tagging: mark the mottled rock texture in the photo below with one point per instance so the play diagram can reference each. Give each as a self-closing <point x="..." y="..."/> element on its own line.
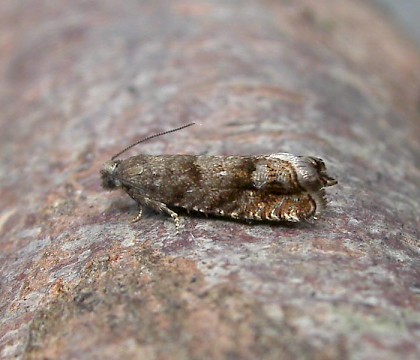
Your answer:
<point x="82" y="79"/>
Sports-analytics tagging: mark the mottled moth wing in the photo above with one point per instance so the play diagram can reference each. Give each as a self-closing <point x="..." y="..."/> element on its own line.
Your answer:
<point x="267" y="187"/>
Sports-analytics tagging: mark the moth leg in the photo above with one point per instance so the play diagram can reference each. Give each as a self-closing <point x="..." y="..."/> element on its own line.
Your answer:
<point x="140" y="213"/>
<point x="162" y="208"/>
<point x="154" y="205"/>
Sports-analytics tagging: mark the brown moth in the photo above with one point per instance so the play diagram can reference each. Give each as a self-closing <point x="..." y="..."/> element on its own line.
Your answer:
<point x="274" y="187"/>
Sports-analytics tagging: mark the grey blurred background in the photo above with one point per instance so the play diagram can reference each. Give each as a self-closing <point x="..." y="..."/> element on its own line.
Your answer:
<point x="406" y="14"/>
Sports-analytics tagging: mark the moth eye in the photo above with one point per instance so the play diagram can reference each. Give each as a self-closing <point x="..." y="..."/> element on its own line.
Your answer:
<point x="107" y="180"/>
<point x="108" y="183"/>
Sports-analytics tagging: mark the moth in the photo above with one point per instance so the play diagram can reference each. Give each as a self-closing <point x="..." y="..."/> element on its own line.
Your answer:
<point x="278" y="187"/>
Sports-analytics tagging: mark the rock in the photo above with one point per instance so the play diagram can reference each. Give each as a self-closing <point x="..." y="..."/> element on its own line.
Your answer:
<point x="82" y="80"/>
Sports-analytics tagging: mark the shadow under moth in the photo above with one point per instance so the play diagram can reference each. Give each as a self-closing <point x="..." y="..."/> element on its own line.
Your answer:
<point x="278" y="187"/>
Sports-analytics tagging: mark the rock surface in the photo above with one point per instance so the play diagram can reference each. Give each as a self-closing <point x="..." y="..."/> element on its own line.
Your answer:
<point x="80" y="80"/>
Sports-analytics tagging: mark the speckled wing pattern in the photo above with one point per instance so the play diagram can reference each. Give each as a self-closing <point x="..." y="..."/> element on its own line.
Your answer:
<point x="276" y="187"/>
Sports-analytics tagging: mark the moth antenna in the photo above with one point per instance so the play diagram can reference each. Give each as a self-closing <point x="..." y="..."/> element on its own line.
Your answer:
<point x="151" y="137"/>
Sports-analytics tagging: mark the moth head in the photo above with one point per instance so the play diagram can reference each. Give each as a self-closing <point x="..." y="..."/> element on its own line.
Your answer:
<point x="321" y="170"/>
<point x="109" y="175"/>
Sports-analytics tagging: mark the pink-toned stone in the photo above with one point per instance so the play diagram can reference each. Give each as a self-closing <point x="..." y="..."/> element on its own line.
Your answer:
<point x="81" y="80"/>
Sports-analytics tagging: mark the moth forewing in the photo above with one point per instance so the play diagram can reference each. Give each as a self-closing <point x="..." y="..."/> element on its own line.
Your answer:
<point x="275" y="187"/>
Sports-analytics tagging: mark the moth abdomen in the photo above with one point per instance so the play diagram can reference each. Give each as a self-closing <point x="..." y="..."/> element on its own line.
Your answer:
<point x="266" y="207"/>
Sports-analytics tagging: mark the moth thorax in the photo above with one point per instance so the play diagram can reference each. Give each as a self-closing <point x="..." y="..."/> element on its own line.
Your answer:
<point x="108" y="175"/>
